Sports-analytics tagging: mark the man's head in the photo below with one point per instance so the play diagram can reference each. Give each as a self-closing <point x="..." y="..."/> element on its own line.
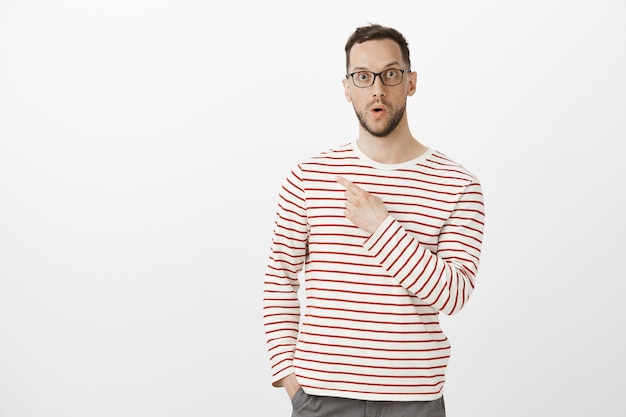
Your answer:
<point x="375" y="32"/>
<point x="379" y="79"/>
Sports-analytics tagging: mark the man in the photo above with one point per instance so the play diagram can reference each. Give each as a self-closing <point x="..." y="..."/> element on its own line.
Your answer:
<point x="389" y="234"/>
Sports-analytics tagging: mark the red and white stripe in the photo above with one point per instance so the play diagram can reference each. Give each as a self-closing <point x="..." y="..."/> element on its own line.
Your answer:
<point x="370" y="329"/>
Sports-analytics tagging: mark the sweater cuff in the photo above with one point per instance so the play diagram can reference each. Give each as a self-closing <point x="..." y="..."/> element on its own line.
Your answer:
<point x="282" y="374"/>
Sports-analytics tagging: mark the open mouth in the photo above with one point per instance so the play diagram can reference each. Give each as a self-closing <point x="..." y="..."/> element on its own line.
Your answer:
<point x="377" y="111"/>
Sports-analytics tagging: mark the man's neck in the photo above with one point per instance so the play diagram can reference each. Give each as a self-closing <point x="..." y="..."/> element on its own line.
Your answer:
<point x="392" y="149"/>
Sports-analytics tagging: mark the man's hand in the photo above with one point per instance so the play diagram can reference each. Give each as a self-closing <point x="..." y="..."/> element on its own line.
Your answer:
<point x="365" y="210"/>
<point x="291" y="385"/>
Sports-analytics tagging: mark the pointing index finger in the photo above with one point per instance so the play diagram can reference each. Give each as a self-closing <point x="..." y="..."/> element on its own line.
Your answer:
<point x="349" y="185"/>
<point x="341" y="180"/>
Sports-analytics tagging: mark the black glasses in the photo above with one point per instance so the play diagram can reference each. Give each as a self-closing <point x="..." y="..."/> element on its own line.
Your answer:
<point x="390" y="77"/>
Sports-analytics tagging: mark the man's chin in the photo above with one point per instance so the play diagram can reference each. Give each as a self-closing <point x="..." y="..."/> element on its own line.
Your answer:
<point x="382" y="129"/>
<point x="379" y="133"/>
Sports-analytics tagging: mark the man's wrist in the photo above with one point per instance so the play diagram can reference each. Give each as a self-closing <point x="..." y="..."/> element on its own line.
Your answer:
<point x="291" y="384"/>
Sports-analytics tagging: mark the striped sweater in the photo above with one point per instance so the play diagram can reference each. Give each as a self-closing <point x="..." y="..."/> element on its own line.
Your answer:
<point x="370" y="327"/>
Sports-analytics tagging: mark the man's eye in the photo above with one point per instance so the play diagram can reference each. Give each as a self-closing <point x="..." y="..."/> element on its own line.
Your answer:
<point x="363" y="76"/>
<point x="391" y="74"/>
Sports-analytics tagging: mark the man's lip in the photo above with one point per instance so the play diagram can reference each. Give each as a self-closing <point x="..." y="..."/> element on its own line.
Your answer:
<point x="377" y="110"/>
<point x="378" y="106"/>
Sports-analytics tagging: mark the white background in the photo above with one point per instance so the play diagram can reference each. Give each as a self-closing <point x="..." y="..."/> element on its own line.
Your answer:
<point x="142" y="144"/>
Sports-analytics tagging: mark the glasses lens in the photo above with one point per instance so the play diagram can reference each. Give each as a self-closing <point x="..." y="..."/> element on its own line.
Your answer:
<point x="392" y="77"/>
<point x="363" y="78"/>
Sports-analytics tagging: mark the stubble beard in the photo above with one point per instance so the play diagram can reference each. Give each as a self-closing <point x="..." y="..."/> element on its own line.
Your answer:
<point x="388" y="128"/>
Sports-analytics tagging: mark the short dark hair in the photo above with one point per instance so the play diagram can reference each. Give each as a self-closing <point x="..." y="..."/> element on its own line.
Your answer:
<point x="375" y="32"/>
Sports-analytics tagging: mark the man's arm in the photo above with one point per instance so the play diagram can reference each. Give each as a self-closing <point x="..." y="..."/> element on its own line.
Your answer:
<point x="445" y="280"/>
<point x="281" y="307"/>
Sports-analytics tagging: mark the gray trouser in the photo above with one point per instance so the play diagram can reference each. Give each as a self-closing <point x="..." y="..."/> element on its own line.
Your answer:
<point x="305" y="405"/>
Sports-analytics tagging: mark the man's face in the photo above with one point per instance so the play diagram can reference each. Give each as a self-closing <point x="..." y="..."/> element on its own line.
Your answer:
<point x="380" y="108"/>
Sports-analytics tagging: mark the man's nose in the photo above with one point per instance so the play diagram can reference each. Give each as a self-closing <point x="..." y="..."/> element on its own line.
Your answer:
<point x="378" y="88"/>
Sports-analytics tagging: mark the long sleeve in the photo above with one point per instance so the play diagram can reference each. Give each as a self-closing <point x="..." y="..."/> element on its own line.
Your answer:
<point x="445" y="279"/>
<point x="288" y="252"/>
<point x="369" y="328"/>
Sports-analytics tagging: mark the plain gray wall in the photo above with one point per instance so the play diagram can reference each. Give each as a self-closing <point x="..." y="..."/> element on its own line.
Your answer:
<point x="142" y="144"/>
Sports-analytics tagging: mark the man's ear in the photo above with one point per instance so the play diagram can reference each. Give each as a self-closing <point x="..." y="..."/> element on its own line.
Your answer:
<point x="412" y="83"/>
<point x="346" y="90"/>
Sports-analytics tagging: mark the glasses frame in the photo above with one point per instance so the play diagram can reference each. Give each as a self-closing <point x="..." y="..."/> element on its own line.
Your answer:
<point x="379" y="75"/>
